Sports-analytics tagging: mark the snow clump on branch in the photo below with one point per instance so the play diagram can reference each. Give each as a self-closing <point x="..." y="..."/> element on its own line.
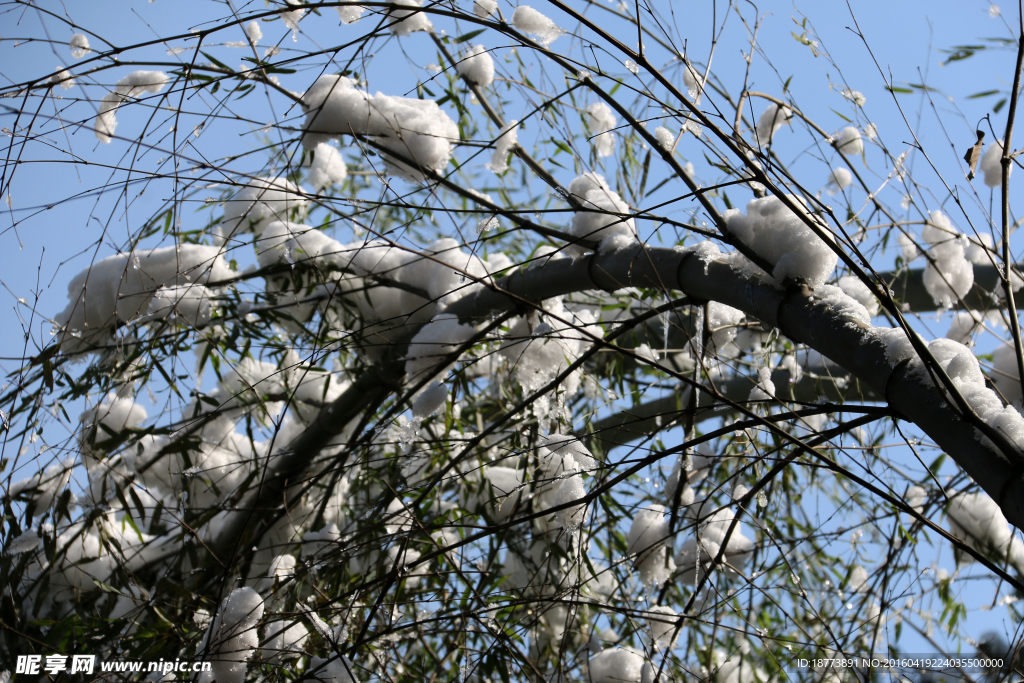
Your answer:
<point x="849" y="142"/>
<point x="782" y="238"/>
<point x="601" y="121"/>
<point x="477" y="66"/>
<point x="532" y="22"/>
<point x="507" y="139"/>
<point x="131" y="86"/>
<point x="977" y="520"/>
<point x="350" y="14"/>
<point x="992" y="164"/>
<point x="409" y="20"/>
<point x="485" y="8"/>
<point x="79" y="45"/>
<point x="648" y="543"/>
<point x="120" y="287"/>
<point x="771" y="120"/>
<point x="433" y="344"/>
<point x="232" y="637"/>
<point x="599" y="218"/>
<point x="256" y="205"/>
<point x="616" y="665"/>
<point x="416" y="130"/>
<point x="949" y="275"/>
<point x="327" y="167"/>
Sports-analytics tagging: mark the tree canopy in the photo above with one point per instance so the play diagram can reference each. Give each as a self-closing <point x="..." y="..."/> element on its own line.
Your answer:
<point x="478" y="342"/>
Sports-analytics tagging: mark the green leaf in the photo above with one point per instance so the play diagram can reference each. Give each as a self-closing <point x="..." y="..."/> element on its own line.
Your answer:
<point x="215" y="61"/>
<point x="894" y="89"/>
<point x="468" y="36"/>
<point x="983" y="94"/>
<point x="999" y="105"/>
<point x="841" y="116"/>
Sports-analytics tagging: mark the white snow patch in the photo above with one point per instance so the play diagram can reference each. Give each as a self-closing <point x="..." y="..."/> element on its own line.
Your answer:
<point x="771" y="120"/>
<point x="79" y="45"/>
<point x="131" y="86"/>
<point x="949" y="275"/>
<point x="598" y="220"/>
<point x="508" y="137"/>
<point x="782" y="238"/>
<point x="415" y="129"/>
<point x="532" y="22"/>
<point x="477" y="66"/>
<point x="601" y="121"/>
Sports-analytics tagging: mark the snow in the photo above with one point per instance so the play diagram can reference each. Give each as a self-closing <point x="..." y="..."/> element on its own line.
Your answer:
<point x="616" y="665"/>
<point x="855" y="289"/>
<point x="564" y="445"/>
<point x="485" y="8"/>
<point x="964" y="370"/>
<point x="508" y="138"/>
<point x="571" y="489"/>
<point x="949" y="275"/>
<point x="506" y="483"/>
<point x="771" y="120"/>
<point x="350" y="14"/>
<point x="661" y="622"/>
<point x="600" y="203"/>
<point x="415" y="129"/>
<point x="430" y="400"/>
<point x="253" y="32"/>
<point x="284" y="641"/>
<point x="977" y="520"/>
<point x="119" y="288"/>
<point x="130" y="87"/>
<point x="665" y="137"/>
<point x="291" y="19"/>
<point x="477" y="66"/>
<point x="601" y="121"/>
<point x="839" y="180"/>
<point x="740" y="670"/>
<point x="849" y="142"/>
<point x="1005" y="374"/>
<point x="232" y="638"/>
<point x="981" y="254"/>
<point x="858" y="579"/>
<point x="259" y="202"/>
<point x="908" y="250"/>
<point x="428" y="350"/>
<point x="963" y="326"/>
<point x="855" y="96"/>
<point x="327" y="167"/>
<point x="337" y="669"/>
<point x="79" y="45"/>
<point x="692" y="80"/>
<point x="530" y="21"/>
<point x="62" y="76"/>
<point x="23" y="543"/>
<point x="846" y="305"/>
<point x="114" y="415"/>
<point x="282" y="569"/>
<point x="780" y="237"/>
<point x="540" y="354"/>
<point x="764" y="390"/>
<point x="722" y="321"/>
<point x="916" y="497"/>
<point x="696" y="554"/>
<point x="190" y="304"/>
<point x="648" y="533"/>
<point x="410" y="19"/>
<point x="991" y="164"/>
